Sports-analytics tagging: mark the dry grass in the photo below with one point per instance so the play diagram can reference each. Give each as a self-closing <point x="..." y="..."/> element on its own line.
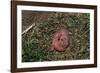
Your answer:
<point x="36" y="43"/>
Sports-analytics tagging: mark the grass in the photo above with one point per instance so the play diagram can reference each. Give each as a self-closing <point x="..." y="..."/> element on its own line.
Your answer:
<point x="36" y="43"/>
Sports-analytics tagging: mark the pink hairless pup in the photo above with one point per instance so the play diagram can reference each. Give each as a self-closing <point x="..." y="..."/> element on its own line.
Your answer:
<point x="60" y="40"/>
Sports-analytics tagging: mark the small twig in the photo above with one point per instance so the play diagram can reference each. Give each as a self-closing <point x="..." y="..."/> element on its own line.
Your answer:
<point x="28" y="28"/>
